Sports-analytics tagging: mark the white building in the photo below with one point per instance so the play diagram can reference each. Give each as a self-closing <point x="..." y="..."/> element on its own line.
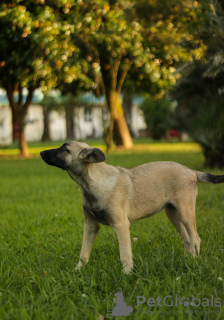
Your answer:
<point x="87" y="123"/>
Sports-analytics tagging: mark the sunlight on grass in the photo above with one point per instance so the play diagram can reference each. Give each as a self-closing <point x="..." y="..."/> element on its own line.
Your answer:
<point x="154" y="147"/>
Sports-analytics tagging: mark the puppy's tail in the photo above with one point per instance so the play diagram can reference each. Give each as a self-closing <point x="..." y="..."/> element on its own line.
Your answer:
<point x="210" y="178"/>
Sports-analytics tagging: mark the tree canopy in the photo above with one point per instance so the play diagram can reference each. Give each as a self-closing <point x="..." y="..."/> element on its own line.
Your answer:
<point x="200" y="90"/>
<point x="141" y="40"/>
<point x="35" y="52"/>
<point x="170" y="33"/>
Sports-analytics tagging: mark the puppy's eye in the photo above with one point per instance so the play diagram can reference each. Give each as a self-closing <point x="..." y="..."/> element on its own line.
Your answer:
<point x="64" y="149"/>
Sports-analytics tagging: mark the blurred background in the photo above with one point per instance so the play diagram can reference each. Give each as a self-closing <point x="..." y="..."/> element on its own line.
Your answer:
<point x="142" y="80"/>
<point x="113" y="71"/>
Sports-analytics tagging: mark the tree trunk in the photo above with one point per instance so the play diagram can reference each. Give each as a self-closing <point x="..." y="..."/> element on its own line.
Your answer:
<point x="108" y="131"/>
<point x="127" y="107"/>
<point x="117" y="125"/>
<point x="15" y="126"/>
<point x="112" y="81"/>
<point x="46" y="133"/>
<point x="19" y="111"/>
<point x="22" y="140"/>
<point x="69" y="112"/>
<point x="122" y="135"/>
<point x="10" y="87"/>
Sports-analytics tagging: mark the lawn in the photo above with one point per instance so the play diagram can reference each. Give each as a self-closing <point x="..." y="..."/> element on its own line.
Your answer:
<point x="41" y="224"/>
<point x="144" y="144"/>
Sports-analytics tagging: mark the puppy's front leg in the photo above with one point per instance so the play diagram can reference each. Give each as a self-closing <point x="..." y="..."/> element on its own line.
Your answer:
<point x="91" y="228"/>
<point x="123" y="234"/>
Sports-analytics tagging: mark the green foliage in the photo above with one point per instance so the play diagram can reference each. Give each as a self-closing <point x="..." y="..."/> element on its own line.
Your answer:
<point x="36" y="46"/>
<point x="109" y="40"/>
<point x="212" y="34"/>
<point x="169" y="29"/>
<point x="41" y="234"/>
<point x="201" y="113"/>
<point x="54" y="100"/>
<point x="50" y="102"/>
<point x="142" y="41"/>
<point x="158" y="114"/>
<point x="200" y="90"/>
<point x="98" y="44"/>
<point x="43" y="44"/>
<point x="27" y="40"/>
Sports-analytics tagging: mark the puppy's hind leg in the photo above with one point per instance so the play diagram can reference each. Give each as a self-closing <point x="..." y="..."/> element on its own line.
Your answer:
<point x="91" y="228"/>
<point x="187" y="217"/>
<point x="172" y="214"/>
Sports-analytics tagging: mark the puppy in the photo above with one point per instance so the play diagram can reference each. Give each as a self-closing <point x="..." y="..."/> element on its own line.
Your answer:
<point x="117" y="196"/>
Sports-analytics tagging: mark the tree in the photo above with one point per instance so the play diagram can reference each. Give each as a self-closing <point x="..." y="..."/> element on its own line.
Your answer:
<point x="144" y="40"/>
<point x="199" y="91"/>
<point x="97" y="42"/>
<point x="158" y="114"/>
<point x="49" y="103"/>
<point x="200" y="111"/>
<point x="69" y="103"/>
<point x="34" y="53"/>
<point x="112" y="44"/>
<point x="169" y="29"/>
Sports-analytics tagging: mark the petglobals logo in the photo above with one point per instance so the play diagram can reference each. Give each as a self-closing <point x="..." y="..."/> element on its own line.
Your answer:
<point x="174" y="301"/>
<point x="117" y="307"/>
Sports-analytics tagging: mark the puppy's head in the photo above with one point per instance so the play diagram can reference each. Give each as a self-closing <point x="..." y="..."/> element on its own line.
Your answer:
<point x="72" y="156"/>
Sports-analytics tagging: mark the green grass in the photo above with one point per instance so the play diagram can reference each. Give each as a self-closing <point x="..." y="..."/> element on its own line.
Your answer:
<point x="41" y="224"/>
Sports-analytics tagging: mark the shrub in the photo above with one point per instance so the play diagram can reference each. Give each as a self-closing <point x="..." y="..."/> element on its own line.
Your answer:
<point x="157" y="114"/>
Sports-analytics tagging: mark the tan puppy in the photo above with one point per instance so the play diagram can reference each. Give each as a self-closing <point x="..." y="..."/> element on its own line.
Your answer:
<point x="117" y="196"/>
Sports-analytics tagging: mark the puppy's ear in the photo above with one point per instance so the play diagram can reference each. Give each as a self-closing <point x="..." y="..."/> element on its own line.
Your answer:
<point x="91" y="155"/>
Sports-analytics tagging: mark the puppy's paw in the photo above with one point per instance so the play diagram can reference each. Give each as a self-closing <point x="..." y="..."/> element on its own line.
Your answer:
<point x="79" y="265"/>
<point x="128" y="268"/>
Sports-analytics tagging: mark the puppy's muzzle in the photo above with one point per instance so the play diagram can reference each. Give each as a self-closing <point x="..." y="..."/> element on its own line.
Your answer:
<point x="52" y="157"/>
